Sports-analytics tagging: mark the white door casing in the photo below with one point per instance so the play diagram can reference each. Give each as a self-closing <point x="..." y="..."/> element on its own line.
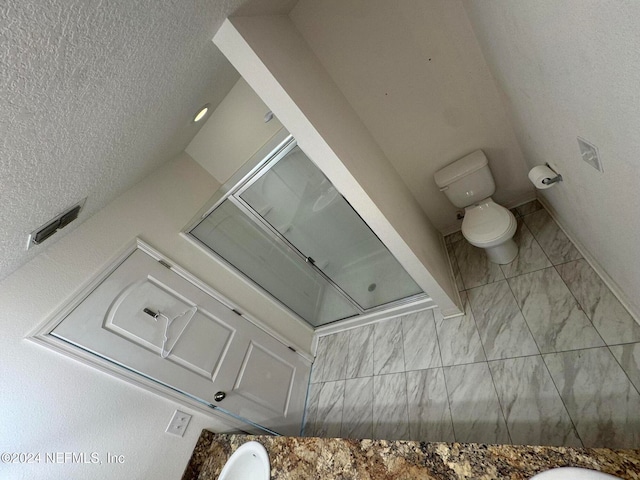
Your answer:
<point x="208" y="347"/>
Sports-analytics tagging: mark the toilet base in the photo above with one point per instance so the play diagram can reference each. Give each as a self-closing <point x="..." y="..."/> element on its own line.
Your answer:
<point x="504" y="253"/>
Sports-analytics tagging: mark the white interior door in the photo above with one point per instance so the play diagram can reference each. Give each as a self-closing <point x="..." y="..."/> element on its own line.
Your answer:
<point x="151" y="320"/>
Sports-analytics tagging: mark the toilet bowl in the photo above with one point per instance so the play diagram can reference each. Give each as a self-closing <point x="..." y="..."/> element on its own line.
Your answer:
<point x="468" y="183"/>
<point x="490" y="226"/>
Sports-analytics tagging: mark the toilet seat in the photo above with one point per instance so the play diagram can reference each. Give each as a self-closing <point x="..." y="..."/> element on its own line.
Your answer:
<point x="488" y="224"/>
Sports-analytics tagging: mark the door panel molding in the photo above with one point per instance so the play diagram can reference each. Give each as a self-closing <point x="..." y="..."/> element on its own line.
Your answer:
<point x="43" y="336"/>
<point x="249" y="380"/>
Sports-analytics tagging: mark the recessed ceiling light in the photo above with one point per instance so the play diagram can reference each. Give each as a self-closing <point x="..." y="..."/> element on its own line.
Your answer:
<point x="201" y="113"/>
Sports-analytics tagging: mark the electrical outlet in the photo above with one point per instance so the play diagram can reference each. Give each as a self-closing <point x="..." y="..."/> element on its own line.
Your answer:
<point x="589" y="154"/>
<point x="178" y="423"/>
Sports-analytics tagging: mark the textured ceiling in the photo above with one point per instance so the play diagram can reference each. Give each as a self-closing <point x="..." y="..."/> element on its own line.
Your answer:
<point x="95" y="95"/>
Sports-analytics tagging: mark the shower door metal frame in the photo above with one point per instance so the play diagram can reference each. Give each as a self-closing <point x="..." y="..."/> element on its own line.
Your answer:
<point x="243" y="180"/>
<point x="245" y="174"/>
<point x="275" y="234"/>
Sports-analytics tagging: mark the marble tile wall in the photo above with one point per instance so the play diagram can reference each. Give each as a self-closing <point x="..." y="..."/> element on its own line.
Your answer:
<point x="545" y="355"/>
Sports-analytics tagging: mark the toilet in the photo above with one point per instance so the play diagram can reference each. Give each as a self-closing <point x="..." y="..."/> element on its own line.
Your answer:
<point x="468" y="184"/>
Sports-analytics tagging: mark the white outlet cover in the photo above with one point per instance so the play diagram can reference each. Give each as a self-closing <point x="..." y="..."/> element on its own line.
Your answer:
<point x="589" y="153"/>
<point x="178" y="424"/>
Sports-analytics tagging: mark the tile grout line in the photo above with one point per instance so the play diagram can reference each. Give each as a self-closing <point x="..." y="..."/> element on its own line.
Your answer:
<point x="344" y="395"/>
<point x="529" y="328"/>
<point x="322" y="384"/>
<point x="305" y="417"/>
<point x="373" y="348"/>
<point x="534" y="338"/>
<point x="373" y="393"/>
<point x="500" y="265"/>
<point x="492" y="360"/>
<point x="455" y="259"/>
<point x="530" y="333"/>
<point x="346" y="367"/>
<point x="529" y="355"/>
<point x="624" y="370"/>
<point x="495" y="389"/>
<point x="582" y="308"/>
<point x="490" y="373"/>
<point x="320" y="357"/>
<point x="315" y="420"/>
<point x="541" y="249"/>
<point x="527" y="273"/>
<point x="446" y="388"/>
<point x="556" y="267"/>
<point x="404" y="372"/>
<point x="545" y="363"/>
<point x="557" y="226"/>
<point x="477" y="329"/>
<point x="305" y="412"/>
<point x="523" y="315"/>
<point x="573" y="423"/>
<point x="578" y="303"/>
<point x="344" y="390"/>
<point x="455" y="256"/>
<point x="373" y="374"/>
<point x="623" y="343"/>
<point x="535" y="238"/>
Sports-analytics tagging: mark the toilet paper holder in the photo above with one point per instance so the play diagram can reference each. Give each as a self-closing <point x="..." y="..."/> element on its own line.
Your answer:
<point x="556" y="179"/>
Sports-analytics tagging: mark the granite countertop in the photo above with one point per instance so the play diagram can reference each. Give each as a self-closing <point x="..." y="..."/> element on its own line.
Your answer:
<point x="307" y="458"/>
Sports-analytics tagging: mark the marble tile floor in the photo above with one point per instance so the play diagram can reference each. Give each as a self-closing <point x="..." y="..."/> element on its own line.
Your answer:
<point x="544" y="355"/>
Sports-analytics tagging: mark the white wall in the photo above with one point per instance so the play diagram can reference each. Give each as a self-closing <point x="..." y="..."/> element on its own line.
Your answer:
<point x="50" y="403"/>
<point x="278" y="64"/>
<point x="415" y="75"/>
<point x="234" y="131"/>
<point x="568" y="69"/>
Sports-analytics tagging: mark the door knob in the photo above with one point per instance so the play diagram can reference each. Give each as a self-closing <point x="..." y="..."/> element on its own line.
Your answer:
<point x="219" y="396"/>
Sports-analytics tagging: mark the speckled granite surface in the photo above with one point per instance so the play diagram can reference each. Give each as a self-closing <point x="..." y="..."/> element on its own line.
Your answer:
<point x="294" y="458"/>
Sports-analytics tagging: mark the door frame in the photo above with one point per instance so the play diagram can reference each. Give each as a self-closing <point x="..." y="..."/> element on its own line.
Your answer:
<point x="41" y="335"/>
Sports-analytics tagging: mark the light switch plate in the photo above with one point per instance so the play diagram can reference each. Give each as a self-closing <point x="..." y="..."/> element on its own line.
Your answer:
<point x="589" y="154"/>
<point x="178" y="423"/>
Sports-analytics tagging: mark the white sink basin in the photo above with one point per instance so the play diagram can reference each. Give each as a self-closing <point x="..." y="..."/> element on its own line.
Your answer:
<point x="249" y="462"/>
<point x="573" y="473"/>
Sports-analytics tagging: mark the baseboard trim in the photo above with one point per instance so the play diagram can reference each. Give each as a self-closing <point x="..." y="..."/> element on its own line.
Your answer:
<point x="362" y="320"/>
<point x="520" y="201"/>
<point x="608" y="281"/>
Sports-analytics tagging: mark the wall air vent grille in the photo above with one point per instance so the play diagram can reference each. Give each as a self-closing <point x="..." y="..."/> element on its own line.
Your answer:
<point x="65" y="218"/>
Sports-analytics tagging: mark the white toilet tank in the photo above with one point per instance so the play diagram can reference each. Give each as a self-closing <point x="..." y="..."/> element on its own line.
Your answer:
<point x="467" y="180"/>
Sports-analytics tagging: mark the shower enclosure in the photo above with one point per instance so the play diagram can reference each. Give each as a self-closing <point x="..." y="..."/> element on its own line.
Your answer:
<point x="284" y="226"/>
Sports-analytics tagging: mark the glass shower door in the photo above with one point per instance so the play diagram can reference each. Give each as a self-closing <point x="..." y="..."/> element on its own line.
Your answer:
<point x="279" y="270"/>
<point x="298" y="201"/>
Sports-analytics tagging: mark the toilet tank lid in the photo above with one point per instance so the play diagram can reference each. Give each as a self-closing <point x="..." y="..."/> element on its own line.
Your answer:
<point x="458" y="169"/>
